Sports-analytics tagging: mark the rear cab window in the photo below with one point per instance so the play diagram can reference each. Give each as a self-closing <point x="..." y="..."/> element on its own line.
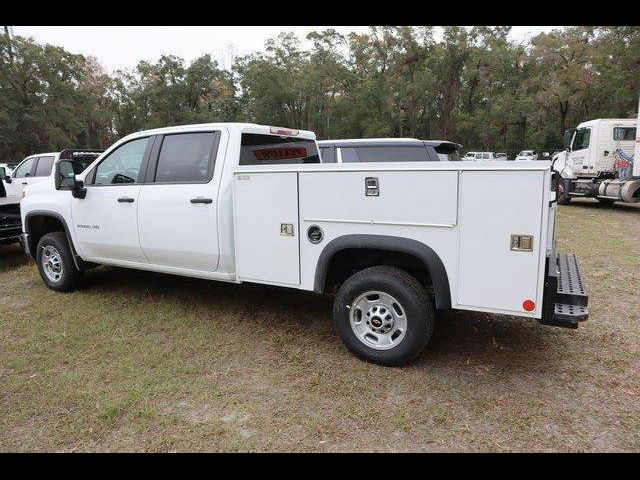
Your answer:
<point x="264" y="149"/>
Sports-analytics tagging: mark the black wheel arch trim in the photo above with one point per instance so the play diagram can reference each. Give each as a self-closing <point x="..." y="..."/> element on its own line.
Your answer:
<point x="80" y="263"/>
<point x="418" y="249"/>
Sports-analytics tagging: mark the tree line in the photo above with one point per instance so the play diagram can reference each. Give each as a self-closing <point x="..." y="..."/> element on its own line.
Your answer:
<point x="473" y="86"/>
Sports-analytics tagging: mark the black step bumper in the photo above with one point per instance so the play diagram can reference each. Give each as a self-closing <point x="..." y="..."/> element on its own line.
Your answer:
<point x="10" y="228"/>
<point x="565" y="292"/>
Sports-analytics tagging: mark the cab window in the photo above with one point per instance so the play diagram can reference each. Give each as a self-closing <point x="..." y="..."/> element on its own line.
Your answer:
<point x="24" y="170"/>
<point x="263" y="149"/>
<point x="328" y="154"/>
<point x="624" y="133"/>
<point x="581" y="139"/>
<point x="392" y="154"/>
<point x="123" y="164"/>
<point x="43" y="169"/>
<point x="187" y="158"/>
<point x="349" y="155"/>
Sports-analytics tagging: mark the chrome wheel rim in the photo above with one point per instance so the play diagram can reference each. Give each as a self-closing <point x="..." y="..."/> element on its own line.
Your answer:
<point x="52" y="263"/>
<point x="378" y="320"/>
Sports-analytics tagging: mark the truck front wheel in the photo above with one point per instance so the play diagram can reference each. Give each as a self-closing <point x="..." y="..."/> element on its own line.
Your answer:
<point x="383" y="315"/>
<point x="55" y="263"/>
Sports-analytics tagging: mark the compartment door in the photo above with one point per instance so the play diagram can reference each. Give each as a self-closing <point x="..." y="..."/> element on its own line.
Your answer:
<point x="266" y="227"/>
<point x="493" y="206"/>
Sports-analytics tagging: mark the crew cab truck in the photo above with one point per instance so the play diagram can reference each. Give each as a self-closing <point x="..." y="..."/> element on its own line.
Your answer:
<point x="596" y="162"/>
<point x="394" y="241"/>
<point x="33" y="169"/>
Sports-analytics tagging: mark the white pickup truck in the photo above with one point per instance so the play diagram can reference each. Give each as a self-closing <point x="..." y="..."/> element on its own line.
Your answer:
<point x="247" y="203"/>
<point x="33" y="169"/>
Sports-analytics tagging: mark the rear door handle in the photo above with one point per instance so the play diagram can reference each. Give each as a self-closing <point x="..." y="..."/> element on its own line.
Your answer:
<point x="25" y="183"/>
<point x="201" y="200"/>
<point x="126" y="200"/>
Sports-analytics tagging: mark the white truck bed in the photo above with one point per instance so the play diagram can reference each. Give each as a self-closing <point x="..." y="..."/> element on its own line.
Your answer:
<point x="464" y="211"/>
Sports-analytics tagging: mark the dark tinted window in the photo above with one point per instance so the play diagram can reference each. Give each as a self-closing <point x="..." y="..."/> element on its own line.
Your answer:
<point x="123" y="164"/>
<point x="258" y="149"/>
<point x="349" y="155"/>
<point x="385" y="154"/>
<point x="187" y="157"/>
<point x="81" y="163"/>
<point x="448" y="153"/>
<point x="43" y="169"/>
<point x="328" y="154"/>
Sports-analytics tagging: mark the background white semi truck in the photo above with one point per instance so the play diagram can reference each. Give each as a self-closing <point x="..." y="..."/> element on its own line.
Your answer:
<point x="598" y="161"/>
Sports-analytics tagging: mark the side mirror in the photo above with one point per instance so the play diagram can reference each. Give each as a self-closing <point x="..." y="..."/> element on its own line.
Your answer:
<point x="65" y="179"/>
<point x="568" y="136"/>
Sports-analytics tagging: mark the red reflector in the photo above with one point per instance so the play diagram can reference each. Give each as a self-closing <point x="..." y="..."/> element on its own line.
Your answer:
<point x="281" y="153"/>
<point x="283" y="131"/>
<point x="529" y="305"/>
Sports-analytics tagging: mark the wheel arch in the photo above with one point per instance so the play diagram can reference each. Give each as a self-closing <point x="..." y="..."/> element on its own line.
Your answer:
<point x="38" y="223"/>
<point x="386" y="243"/>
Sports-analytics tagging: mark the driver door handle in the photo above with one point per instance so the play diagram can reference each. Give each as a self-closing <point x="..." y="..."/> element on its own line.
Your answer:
<point x="201" y="200"/>
<point x="126" y="200"/>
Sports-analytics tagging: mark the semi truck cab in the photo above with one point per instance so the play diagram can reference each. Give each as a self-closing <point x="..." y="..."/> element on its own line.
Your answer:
<point x="598" y="161"/>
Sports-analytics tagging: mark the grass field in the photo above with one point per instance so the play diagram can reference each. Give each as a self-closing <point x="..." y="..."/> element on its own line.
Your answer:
<point x="146" y="362"/>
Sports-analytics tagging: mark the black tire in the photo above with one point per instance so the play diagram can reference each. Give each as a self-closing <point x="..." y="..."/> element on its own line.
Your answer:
<point x="561" y="192"/>
<point x="414" y="303"/>
<point x="70" y="277"/>
<point x="606" y="201"/>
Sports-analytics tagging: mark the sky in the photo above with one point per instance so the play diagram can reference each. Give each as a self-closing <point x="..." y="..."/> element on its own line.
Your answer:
<point x="122" y="47"/>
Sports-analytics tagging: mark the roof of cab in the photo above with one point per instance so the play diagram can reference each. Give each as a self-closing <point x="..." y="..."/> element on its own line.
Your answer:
<point x="229" y="125"/>
<point x="382" y="142"/>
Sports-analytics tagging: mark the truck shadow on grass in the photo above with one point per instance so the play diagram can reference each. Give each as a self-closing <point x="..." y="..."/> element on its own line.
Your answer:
<point x="11" y="256"/>
<point x="506" y="344"/>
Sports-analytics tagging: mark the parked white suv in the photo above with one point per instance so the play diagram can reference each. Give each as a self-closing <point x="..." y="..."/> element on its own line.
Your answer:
<point x="388" y="150"/>
<point x="239" y="202"/>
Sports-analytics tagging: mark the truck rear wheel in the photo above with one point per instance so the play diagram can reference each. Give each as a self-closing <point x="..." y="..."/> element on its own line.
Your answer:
<point x="383" y="316"/>
<point x="55" y="263"/>
<point x="561" y="192"/>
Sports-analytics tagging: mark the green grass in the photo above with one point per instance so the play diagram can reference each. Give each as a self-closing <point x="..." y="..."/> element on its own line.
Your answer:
<point x="147" y="362"/>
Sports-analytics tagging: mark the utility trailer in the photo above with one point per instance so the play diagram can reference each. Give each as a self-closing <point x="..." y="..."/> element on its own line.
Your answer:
<point x="393" y="241"/>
